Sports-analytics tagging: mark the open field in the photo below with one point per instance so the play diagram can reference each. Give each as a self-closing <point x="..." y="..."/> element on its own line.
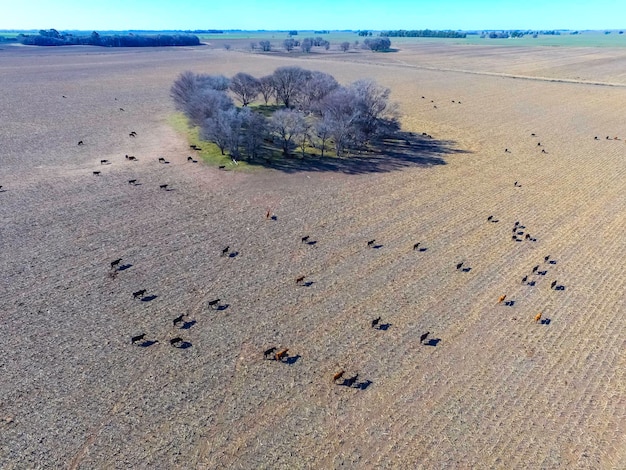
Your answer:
<point x="493" y="389"/>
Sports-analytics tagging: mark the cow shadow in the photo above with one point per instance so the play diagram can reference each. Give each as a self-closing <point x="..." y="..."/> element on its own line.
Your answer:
<point x="124" y="267"/>
<point x="432" y="342"/>
<point x="291" y="359"/>
<point x="183" y="345"/>
<point x="312" y="243"/>
<point x="188" y="324"/>
<point x="466" y="270"/>
<point x="147" y="344"/>
<point x="308" y="283"/>
<point x="219" y="308"/>
<point x="509" y="303"/>
<point x="422" y="250"/>
<point x="542" y="273"/>
<point x="364" y="385"/>
<point x="559" y="288"/>
<point x="149" y="298"/>
<point x="545" y="321"/>
<point x="531" y="283"/>
<point x="274" y="217"/>
<point x="383" y="327"/>
<point x="234" y="254"/>
<point x="377" y="247"/>
<point x="552" y="261"/>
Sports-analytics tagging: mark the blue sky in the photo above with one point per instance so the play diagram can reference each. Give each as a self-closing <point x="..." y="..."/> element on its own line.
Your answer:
<point x="312" y="14"/>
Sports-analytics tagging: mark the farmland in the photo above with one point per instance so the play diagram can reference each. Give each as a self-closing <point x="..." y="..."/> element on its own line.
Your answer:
<point x="491" y="388"/>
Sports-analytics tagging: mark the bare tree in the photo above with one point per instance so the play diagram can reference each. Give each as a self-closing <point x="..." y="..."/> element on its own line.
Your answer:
<point x="266" y="46"/>
<point x="183" y="89"/>
<point x="288" y="82"/>
<point x="215" y="82"/>
<point x="206" y="103"/>
<point x="254" y="128"/>
<point x="323" y="132"/>
<point x="375" y="113"/>
<point x="289" y="44"/>
<point x="345" y="46"/>
<point x="287" y="125"/>
<point x="223" y="129"/>
<point x="315" y="89"/>
<point x="306" y="45"/>
<point x="227" y="46"/>
<point x="266" y="87"/>
<point x="253" y="46"/>
<point x="245" y="87"/>
<point x="339" y="113"/>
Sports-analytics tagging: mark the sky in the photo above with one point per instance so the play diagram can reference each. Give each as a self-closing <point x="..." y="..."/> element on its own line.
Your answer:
<point x="312" y="14"/>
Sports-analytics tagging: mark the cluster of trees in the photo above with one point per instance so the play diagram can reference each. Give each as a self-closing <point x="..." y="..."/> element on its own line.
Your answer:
<point x="364" y="33"/>
<point x="422" y="33"/>
<point x="311" y="110"/>
<point x="377" y="44"/>
<point x="52" y="37"/>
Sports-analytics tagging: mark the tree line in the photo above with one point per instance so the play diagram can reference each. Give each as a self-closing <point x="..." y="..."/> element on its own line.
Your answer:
<point x="309" y="110"/>
<point x="52" y="37"/>
<point x="422" y="33"/>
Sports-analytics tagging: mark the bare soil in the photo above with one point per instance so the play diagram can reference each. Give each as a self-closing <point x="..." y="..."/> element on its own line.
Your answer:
<point x="489" y="388"/>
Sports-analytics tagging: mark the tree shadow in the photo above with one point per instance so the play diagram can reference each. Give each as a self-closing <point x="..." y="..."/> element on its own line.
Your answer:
<point x="391" y="153"/>
<point x="149" y="298"/>
<point x="432" y="342"/>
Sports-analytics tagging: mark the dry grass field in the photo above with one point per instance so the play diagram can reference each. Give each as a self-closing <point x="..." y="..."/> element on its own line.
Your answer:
<point x="489" y="388"/>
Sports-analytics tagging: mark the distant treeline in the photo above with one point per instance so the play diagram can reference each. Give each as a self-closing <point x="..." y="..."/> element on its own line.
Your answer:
<point x="52" y="37"/>
<point x="421" y="33"/>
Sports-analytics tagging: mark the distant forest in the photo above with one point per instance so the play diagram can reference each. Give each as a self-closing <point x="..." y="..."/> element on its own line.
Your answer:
<point x="422" y="33"/>
<point x="52" y="37"/>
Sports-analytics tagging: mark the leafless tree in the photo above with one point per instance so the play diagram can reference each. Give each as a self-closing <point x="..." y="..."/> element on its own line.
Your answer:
<point x="266" y="46"/>
<point x="245" y="87"/>
<point x="375" y="113"/>
<point x="289" y="44"/>
<point x="323" y="132"/>
<point x="288" y="82"/>
<point x="183" y="88"/>
<point x="254" y="128"/>
<point x="223" y="129"/>
<point x="287" y="125"/>
<point x="345" y="46"/>
<point x="306" y="45"/>
<point x="205" y="104"/>
<point x="266" y="87"/>
<point x="315" y="89"/>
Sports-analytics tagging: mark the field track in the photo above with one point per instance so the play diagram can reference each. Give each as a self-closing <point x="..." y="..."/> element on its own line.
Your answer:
<point x="490" y="388"/>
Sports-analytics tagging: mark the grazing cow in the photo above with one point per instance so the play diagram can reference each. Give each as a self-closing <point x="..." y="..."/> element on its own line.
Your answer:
<point x="351" y="381"/>
<point x="97" y="173"/>
<point x="608" y="138"/>
<point x="533" y="134"/>
<point x="305" y="239"/>
<point x="221" y="167"/>
<point x="269" y="354"/>
<point x="115" y="263"/>
<point x="527" y="236"/>
<point x="193" y="147"/>
<point x="103" y="162"/>
<point x="139" y="293"/>
<point x="490" y="218"/>
<point x="524" y="279"/>
<point x="546" y="258"/>
<point x="189" y="158"/>
<point x="371" y="243"/>
<point x="515" y="184"/>
<point x="514" y="238"/>
<point x="132" y="134"/>
<point x="132" y="158"/>
<point x="80" y="142"/>
<point x="537" y="317"/>
<point x="424" y="336"/>
<point x="543" y="151"/>
<point x="535" y="269"/>
<point x="375" y="322"/>
<point x="137" y="338"/>
<point x="121" y="109"/>
<point x="506" y="151"/>
<point x="416" y="246"/>
<point x="133" y="182"/>
<point x="161" y="160"/>
<point x="538" y="144"/>
<point x="213" y="303"/>
<point x="163" y="186"/>
<point x="300" y="279"/>
<point x="338" y="375"/>
<point x="225" y="251"/>
<point x="435" y="107"/>
<point x="268" y="213"/>
<point x="516" y="223"/>
<point x="175" y="341"/>
<point x="596" y="138"/>
<point x="126" y="156"/>
<point x="194" y="161"/>
<point x="64" y="96"/>
<point x="501" y="299"/>
<point x="281" y="354"/>
<point x="459" y="266"/>
<point x="553" y="285"/>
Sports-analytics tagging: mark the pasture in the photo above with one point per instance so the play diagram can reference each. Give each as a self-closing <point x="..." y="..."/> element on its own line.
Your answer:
<point x="488" y="387"/>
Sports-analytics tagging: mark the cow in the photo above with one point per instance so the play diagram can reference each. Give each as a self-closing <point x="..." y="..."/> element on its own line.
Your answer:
<point x="132" y="134"/>
<point x="416" y="246"/>
<point x="139" y="293"/>
<point x="501" y="299"/>
<point x="268" y="213"/>
<point x="553" y="285"/>
<point x="305" y="239"/>
<point x="537" y="317"/>
<point x="546" y="258"/>
<point x="137" y="338"/>
<point x="371" y="243"/>
<point x="269" y="354"/>
<point x="161" y="160"/>
<point x="527" y="237"/>
<point x="121" y="109"/>
<point x="222" y="167"/>
<point x="103" y="162"/>
<point x="506" y="151"/>
<point x="132" y="158"/>
<point x="424" y="336"/>
<point x="133" y="182"/>
<point x="115" y="263"/>
<point x="596" y="138"/>
<point x="163" y="186"/>
<point x="375" y="322"/>
<point x="535" y="269"/>
<point x="97" y="173"/>
<point x="490" y="218"/>
<point x="176" y="340"/>
<point x="524" y="279"/>
<point x="213" y="303"/>
<point x="80" y="142"/>
<point x="459" y="266"/>
<point x="281" y="354"/>
<point x="338" y="375"/>
<point x="225" y="251"/>
<point x="178" y="319"/>
<point x="300" y="280"/>
<point x="189" y="158"/>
